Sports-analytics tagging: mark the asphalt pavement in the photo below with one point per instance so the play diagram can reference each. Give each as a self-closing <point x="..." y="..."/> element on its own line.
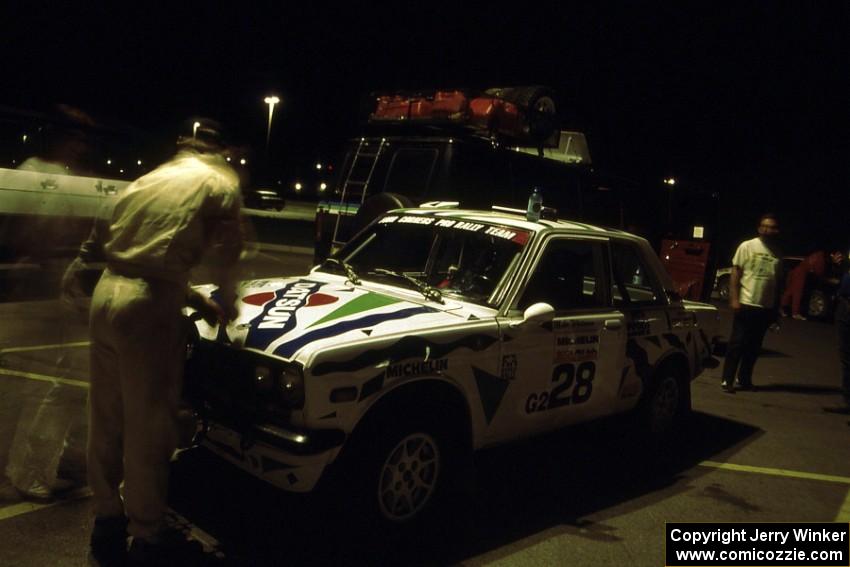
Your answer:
<point x="589" y="495"/>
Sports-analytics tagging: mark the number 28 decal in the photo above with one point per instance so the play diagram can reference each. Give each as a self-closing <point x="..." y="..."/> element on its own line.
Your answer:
<point x="573" y="385"/>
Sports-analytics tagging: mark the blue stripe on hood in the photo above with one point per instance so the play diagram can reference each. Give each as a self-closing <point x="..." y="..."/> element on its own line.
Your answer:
<point x="289" y="348"/>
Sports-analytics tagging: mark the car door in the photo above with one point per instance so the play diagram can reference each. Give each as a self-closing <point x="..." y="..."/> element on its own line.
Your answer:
<point x="637" y="292"/>
<point x="571" y="365"/>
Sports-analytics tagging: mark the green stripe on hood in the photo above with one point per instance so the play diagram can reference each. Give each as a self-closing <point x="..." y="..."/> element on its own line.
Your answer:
<point x="365" y="302"/>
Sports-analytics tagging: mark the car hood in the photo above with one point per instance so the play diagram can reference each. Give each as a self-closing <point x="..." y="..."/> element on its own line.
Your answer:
<point x="295" y="317"/>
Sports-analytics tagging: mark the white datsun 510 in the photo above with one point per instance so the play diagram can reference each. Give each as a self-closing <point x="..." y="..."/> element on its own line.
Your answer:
<point x="436" y="332"/>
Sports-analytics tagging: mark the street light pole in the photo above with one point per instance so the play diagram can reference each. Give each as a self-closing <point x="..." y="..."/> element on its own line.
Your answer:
<point x="670" y="181"/>
<point x="271" y="101"/>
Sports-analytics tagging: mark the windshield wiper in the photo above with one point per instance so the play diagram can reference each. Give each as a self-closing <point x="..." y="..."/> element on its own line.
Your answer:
<point x="430" y="293"/>
<point x="349" y="271"/>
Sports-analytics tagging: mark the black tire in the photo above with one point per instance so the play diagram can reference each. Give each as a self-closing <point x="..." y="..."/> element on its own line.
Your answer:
<point x="406" y="474"/>
<point x="819" y="305"/>
<point x="666" y="402"/>
<point x="404" y="470"/>
<point x="723" y="287"/>
<point x="538" y="105"/>
<point x="375" y="206"/>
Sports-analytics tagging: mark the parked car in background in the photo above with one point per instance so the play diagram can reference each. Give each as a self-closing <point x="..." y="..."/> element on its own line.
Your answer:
<point x="264" y="200"/>
<point x="818" y="297"/>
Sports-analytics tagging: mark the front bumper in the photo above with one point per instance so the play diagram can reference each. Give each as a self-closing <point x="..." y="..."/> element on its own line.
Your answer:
<point x="288" y="459"/>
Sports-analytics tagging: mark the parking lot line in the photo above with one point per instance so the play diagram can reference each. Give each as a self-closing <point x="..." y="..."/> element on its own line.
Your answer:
<point x="44" y="347"/>
<point x="776" y="472"/>
<point x="26" y="507"/>
<point x="844" y="512"/>
<point x="43" y="378"/>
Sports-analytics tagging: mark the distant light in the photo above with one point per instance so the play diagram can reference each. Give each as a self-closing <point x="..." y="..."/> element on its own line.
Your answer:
<point x="451" y="140"/>
<point x="195" y="128"/>
<point x="24" y="138"/>
<point x="298" y="186"/>
<point x="318" y="166"/>
<point x="109" y="162"/>
<point x="271" y="100"/>
<point x="323" y="186"/>
<point x="699" y="231"/>
<point x="228" y="158"/>
<point x="243" y="161"/>
<point x="120" y="171"/>
<point x="14" y="161"/>
<point x="68" y="168"/>
<point x="138" y="162"/>
<point x="667" y="257"/>
<point x="670" y="181"/>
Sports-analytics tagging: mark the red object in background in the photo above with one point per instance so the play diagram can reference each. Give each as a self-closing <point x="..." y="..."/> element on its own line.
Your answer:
<point x="687" y="263"/>
<point x="483" y="112"/>
<point x="795" y="283"/>
<point x="449" y="104"/>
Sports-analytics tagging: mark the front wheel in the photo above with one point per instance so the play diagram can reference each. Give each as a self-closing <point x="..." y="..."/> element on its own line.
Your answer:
<point x="406" y="473"/>
<point x="409" y="476"/>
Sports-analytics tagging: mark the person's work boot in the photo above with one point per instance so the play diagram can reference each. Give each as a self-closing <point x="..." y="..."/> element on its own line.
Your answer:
<point x="727" y="387"/>
<point x="799" y="317"/>
<point x="108" y="542"/>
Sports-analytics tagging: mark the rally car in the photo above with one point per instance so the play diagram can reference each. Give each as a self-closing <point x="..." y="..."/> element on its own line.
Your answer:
<point x="436" y="332"/>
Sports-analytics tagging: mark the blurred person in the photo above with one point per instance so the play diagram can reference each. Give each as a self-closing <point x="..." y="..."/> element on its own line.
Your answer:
<point x="842" y="324"/>
<point x="67" y="147"/>
<point x="795" y="285"/>
<point x="754" y="291"/>
<point x="163" y="225"/>
<point x="47" y="452"/>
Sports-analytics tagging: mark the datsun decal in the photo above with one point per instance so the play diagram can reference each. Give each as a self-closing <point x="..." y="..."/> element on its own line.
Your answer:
<point x="279" y="312"/>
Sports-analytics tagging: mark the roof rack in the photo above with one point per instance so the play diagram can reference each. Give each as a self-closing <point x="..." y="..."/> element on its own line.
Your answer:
<point x="518" y="114"/>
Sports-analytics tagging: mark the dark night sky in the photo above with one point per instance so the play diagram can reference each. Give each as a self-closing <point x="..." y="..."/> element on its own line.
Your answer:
<point x="745" y="99"/>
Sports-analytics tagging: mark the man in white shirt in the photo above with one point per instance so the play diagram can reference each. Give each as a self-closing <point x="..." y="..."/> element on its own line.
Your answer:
<point x="160" y="228"/>
<point x="754" y="298"/>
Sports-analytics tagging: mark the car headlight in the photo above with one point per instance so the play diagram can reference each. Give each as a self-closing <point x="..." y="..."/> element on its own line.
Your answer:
<point x="278" y="380"/>
<point x="290" y="385"/>
<point x="263" y="379"/>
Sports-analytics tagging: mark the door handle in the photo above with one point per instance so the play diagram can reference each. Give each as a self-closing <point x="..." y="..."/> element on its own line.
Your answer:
<point x="612" y="324"/>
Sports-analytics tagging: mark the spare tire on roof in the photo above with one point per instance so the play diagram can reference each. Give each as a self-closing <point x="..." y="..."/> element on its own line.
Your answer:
<point x="375" y="206"/>
<point x="537" y="104"/>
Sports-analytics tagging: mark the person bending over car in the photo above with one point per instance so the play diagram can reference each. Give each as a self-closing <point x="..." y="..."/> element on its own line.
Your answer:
<point x="161" y="227"/>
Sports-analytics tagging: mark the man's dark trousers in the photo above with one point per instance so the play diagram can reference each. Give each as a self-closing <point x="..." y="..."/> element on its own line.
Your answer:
<point x="842" y="323"/>
<point x="748" y="329"/>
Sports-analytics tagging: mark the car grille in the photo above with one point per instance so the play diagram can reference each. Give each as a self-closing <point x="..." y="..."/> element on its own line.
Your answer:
<point x="219" y="382"/>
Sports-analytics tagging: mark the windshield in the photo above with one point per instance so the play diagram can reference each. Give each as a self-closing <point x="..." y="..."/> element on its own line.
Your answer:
<point x="459" y="258"/>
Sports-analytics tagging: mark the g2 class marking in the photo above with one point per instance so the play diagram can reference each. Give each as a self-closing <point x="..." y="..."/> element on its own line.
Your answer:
<point x="574" y="385"/>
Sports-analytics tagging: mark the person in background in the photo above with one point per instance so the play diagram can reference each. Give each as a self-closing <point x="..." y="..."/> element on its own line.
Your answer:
<point x="842" y="324"/>
<point x="162" y="226"/>
<point x="754" y="291"/>
<point x="47" y="454"/>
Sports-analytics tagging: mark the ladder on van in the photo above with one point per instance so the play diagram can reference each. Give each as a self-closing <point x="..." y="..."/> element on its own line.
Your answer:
<point x="363" y="154"/>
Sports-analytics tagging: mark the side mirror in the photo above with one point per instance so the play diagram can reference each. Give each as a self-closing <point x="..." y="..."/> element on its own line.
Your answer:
<point x="539" y="313"/>
<point x="673" y="295"/>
